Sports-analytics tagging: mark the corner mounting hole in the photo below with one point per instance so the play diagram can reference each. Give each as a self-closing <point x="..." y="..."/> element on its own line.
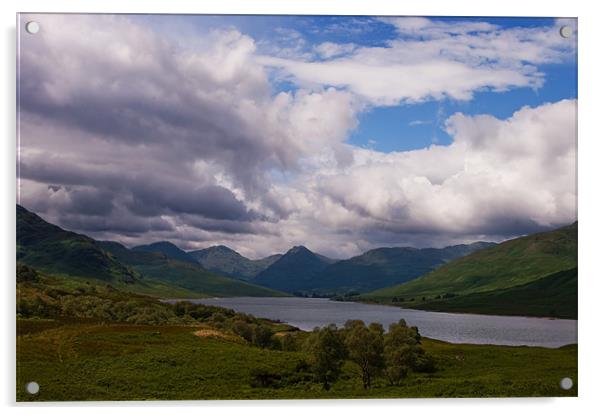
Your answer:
<point x="32" y="27"/>
<point x="566" y="383"/>
<point x="566" y="32"/>
<point x="32" y="388"/>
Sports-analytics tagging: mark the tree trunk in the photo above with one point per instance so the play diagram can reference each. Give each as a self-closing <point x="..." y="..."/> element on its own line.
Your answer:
<point x="366" y="378"/>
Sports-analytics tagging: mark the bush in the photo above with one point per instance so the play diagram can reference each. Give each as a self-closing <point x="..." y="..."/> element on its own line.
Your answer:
<point x="262" y="377"/>
<point x="26" y="274"/>
<point x="425" y="364"/>
<point x="262" y="336"/>
<point x="243" y="329"/>
<point x="288" y="343"/>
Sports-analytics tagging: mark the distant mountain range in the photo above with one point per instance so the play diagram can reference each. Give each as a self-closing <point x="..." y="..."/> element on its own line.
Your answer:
<point x="533" y="275"/>
<point x="384" y="267"/>
<point x="302" y="271"/>
<point x="219" y="270"/>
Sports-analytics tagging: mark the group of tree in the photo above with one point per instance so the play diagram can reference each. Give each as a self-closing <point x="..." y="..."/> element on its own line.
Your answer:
<point x="39" y="297"/>
<point x="392" y="355"/>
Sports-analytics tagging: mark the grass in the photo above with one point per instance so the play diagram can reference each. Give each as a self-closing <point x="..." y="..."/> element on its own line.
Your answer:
<point x="551" y="296"/>
<point x="82" y="360"/>
<point x="193" y="278"/>
<point x="146" y="286"/>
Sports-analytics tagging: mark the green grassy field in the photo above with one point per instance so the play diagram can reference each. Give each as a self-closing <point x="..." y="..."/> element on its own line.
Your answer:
<point x="87" y="361"/>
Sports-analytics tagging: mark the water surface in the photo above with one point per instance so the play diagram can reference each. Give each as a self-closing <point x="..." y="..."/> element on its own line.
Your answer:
<point x="307" y="313"/>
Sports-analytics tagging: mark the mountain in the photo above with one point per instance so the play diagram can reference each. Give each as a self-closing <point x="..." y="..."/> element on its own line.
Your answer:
<point x="294" y="271"/>
<point x="168" y="249"/>
<point x="191" y="276"/>
<point x="54" y="250"/>
<point x="384" y="267"/>
<point x="510" y="264"/>
<point x="554" y="295"/>
<point x="226" y="261"/>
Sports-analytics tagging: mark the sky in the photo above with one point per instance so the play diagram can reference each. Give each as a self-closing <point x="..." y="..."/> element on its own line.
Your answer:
<point x="342" y="134"/>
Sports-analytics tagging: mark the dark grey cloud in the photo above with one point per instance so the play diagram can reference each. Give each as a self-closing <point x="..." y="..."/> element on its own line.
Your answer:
<point x="150" y="199"/>
<point x="143" y="193"/>
<point x="120" y="224"/>
<point x="91" y="202"/>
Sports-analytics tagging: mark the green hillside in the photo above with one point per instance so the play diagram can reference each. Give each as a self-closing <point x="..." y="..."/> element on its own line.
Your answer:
<point x="69" y="255"/>
<point x="511" y="263"/>
<point x="160" y="267"/>
<point x="551" y="296"/>
<point x="57" y="251"/>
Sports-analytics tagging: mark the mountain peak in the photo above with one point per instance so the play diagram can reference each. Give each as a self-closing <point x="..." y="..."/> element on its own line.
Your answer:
<point x="298" y="249"/>
<point x="222" y="248"/>
<point x="160" y="244"/>
<point x="167" y="248"/>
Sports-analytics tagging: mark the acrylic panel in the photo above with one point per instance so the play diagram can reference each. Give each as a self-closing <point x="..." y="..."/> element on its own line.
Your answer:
<point x="295" y="207"/>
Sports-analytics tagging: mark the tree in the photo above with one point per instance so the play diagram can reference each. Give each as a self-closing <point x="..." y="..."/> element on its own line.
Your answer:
<point x="288" y="343"/>
<point x="402" y="351"/>
<point x="243" y="329"/>
<point x="262" y="336"/>
<point x="365" y="346"/>
<point x="327" y="354"/>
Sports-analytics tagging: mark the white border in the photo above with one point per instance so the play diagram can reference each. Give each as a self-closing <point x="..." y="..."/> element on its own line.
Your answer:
<point x="590" y="152"/>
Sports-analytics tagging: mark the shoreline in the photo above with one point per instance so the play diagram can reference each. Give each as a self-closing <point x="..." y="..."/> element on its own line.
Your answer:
<point x="447" y="337"/>
<point x="458" y="312"/>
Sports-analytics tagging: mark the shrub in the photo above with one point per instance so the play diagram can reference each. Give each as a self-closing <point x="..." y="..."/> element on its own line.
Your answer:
<point x="288" y="343"/>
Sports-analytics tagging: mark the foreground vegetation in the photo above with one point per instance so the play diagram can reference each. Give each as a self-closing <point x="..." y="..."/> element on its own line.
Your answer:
<point x="82" y="341"/>
<point x="83" y="361"/>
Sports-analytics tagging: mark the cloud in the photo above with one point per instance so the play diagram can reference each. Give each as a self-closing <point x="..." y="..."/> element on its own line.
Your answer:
<point x="433" y="60"/>
<point x="329" y="49"/>
<point x="419" y="122"/>
<point x="131" y="136"/>
<point x="498" y="177"/>
<point x="428" y="28"/>
<point x="134" y="120"/>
